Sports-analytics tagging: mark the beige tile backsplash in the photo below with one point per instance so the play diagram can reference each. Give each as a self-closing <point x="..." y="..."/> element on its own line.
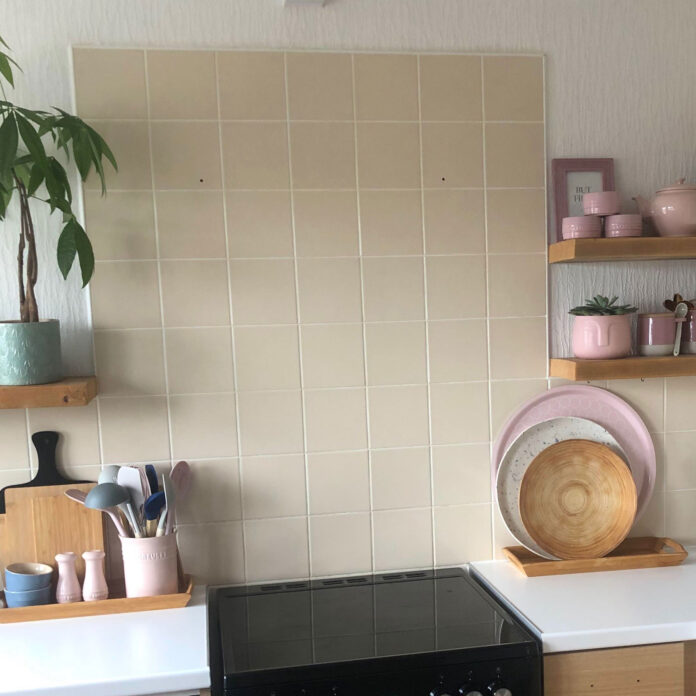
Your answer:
<point x="329" y="316"/>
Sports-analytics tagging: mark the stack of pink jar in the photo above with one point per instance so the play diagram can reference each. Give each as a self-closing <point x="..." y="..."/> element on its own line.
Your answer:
<point x="598" y="207"/>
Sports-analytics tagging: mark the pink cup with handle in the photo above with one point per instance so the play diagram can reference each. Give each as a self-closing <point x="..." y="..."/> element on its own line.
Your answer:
<point x="149" y="565"/>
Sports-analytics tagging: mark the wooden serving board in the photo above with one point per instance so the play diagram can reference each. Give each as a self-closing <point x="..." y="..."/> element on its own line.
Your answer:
<point x="633" y="553"/>
<point x="41" y="522"/>
<point x="117" y="605"/>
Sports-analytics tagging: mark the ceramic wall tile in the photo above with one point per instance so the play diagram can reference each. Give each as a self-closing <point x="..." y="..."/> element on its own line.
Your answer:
<point x="340" y="544"/>
<point x="110" y="83"/>
<point x="308" y="298"/>
<point x="203" y="425"/>
<point x="14" y="438"/>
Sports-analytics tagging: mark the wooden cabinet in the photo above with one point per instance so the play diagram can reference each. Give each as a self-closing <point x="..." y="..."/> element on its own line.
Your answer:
<point x="650" y="670"/>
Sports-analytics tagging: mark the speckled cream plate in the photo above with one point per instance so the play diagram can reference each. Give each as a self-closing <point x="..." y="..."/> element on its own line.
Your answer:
<point x="522" y="452"/>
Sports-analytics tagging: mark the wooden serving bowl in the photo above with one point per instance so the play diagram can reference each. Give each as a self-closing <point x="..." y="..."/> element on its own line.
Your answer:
<point x="578" y="499"/>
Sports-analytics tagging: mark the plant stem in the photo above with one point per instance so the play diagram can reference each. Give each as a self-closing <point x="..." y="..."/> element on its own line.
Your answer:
<point x="28" y="308"/>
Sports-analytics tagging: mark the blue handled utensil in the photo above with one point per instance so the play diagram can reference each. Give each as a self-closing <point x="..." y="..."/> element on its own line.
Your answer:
<point x="152" y="509"/>
<point x="151" y="474"/>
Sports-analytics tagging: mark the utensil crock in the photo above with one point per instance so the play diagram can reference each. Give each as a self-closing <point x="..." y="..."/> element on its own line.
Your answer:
<point x="149" y="565"/>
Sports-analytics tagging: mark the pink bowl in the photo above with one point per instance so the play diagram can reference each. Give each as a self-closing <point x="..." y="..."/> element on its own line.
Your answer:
<point x="623" y="226"/>
<point x="601" y="203"/>
<point x="581" y="227"/>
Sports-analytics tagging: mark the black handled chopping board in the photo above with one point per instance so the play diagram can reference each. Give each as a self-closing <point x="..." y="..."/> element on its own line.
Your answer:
<point x="45" y="442"/>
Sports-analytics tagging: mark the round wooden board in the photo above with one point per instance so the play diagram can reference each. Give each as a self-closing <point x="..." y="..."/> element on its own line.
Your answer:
<point x="578" y="499"/>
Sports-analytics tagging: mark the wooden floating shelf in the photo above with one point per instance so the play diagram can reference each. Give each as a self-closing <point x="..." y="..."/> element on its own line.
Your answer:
<point x="624" y="368"/>
<point x="622" y="249"/>
<point x="71" y="391"/>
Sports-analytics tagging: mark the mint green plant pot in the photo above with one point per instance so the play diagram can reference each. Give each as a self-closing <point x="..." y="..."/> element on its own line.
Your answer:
<point x="30" y="352"/>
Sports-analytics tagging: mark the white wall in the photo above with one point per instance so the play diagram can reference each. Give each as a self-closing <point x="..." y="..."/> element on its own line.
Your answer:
<point x="621" y="82"/>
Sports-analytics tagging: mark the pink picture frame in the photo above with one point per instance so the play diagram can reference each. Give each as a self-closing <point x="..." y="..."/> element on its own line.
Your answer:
<point x="586" y="175"/>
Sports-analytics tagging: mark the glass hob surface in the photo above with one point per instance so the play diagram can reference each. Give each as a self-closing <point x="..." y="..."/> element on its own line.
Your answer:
<point x="301" y="624"/>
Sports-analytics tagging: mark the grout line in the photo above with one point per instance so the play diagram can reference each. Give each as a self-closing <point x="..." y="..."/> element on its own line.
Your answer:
<point x="165" y="361"/>
<point x="303" y="404"/>
<point x="363" y="322"/>
<point x="264" y="121"/>
<point x="491" y="537"/>
<point x="93" y="191"/>
<point x="233" y="344"/>
<point x="431" y="472"/>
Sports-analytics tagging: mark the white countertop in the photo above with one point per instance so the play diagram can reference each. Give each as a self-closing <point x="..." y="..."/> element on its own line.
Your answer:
<point x="148" y="652"/>
<point x="585" y="611"/>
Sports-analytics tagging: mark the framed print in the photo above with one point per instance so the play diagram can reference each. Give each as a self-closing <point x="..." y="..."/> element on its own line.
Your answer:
<point x="572" y="179"/>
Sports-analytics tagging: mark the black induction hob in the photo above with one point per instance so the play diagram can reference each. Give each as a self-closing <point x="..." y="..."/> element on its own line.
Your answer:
<point x="414" y="633"/>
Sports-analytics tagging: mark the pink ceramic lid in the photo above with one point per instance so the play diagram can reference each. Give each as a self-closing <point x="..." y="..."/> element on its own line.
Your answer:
<point x="678" y="186"/>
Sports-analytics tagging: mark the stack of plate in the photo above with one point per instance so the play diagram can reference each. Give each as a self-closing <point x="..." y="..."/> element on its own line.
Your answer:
<point x="578" y="468"/>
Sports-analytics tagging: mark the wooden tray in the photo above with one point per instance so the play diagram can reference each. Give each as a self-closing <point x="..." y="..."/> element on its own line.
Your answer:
<point x="636" y="552"/>
<point x="117" y="605"/>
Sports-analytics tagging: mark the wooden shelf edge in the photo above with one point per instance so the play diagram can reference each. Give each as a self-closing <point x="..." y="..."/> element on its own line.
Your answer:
<point x="635" y="367"/>
<point x="622" y="249"/>
<point x="70" y="391"/>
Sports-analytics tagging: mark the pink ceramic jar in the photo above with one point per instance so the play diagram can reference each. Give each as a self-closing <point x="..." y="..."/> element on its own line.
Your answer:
<point x="602" y="337"/>
<point x="581" y="227"/>
<point x="688" y="342"/>
<point x="149" y="565"/>
<point x="601" y="203"/>
<point x="656" y="333"/>
<point x="623" y="226"/>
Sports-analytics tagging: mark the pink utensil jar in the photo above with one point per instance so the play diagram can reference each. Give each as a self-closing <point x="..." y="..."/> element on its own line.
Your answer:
<point x="623" y="226"/>
<point x="656" y="333"/>
<point x="581" y="227"/>
<point x="601" y="203"/>
<point x="688" y="342"/>
<point x="602" y="337"/>
<point x="149" y="565"/>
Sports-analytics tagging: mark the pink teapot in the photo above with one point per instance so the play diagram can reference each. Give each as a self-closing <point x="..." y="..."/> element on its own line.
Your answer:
<point x="673" y="210"/>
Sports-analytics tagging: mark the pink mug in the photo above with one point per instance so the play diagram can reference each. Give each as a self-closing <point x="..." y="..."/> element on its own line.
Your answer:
<point x="656" y="333"/>
<point x="149" y="565"/>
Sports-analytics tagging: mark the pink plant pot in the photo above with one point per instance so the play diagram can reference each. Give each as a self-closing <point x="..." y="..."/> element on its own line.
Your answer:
<point x="581" y="227"/>
<point x="623" y="226"/>
<point x="149" y="565"/>
<point x="601" y="203"/>
<point x="602" y="338"/>
<point x="656" y="333"/>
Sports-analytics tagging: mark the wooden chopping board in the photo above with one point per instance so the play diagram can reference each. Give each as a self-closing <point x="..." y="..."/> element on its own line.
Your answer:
<point x="41" y="522"/>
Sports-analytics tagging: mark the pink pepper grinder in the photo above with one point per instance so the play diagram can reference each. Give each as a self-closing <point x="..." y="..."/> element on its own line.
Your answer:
<point x="95" y="586"/>
<point x="68" y="588"/>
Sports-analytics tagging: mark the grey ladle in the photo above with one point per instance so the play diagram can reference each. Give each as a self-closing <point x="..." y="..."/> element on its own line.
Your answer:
<point x="110" y="495"/>
<point x="80" y="497"/>
<point x="109" y="474"/>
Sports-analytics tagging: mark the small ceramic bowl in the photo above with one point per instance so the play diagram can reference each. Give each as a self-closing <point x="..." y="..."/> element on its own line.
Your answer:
<point x="27" y="576"/>
<point x="601" y="203"/>
<point x="28" y="598"/>
<point x="581" y="227"/>
<point x="623" y="226"/>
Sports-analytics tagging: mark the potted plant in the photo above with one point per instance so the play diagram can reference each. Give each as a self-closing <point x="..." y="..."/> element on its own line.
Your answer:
<point x="602" y="329"/>
<point x="31" y="173"/>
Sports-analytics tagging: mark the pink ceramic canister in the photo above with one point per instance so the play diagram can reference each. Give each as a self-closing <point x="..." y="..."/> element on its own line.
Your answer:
<point x="656" y="333"/>
<point x="581" y="227"/>
<point x="602" y="337"/>
<point x="623" y="226"/>
<point x="149" y="565"/>
<point x="601" y="203"/>
<point x="688" y="342"/>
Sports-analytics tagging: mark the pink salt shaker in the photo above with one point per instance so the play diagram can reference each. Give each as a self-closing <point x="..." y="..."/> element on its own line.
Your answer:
<point x="68" y="588"/>
<point x="601" y="203"/>
<point x="94" y="586"/>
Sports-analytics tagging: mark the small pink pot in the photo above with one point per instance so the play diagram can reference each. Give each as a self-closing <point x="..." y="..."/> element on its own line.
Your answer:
<point x="601" y="203"/>
<point x="623" y="226"/>
<point x="582" y="227"/>
<point x="149" y="565"/>
<point x="656" y="333"/>
<point x="602" y="338"/>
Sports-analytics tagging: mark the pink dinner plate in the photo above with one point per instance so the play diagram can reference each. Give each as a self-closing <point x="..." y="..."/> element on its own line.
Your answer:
<point x="600" y="406"/>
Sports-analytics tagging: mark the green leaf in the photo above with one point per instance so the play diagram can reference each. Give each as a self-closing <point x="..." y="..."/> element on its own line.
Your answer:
<point x="60" y="174"/>
<point x="35" y="180"/>
<point x="6" y="68"/>
<point x="73" y="241"/>
<point x="8" y="142"/>
<point x="81" y="150"/>
<point x="32" y="142"/>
